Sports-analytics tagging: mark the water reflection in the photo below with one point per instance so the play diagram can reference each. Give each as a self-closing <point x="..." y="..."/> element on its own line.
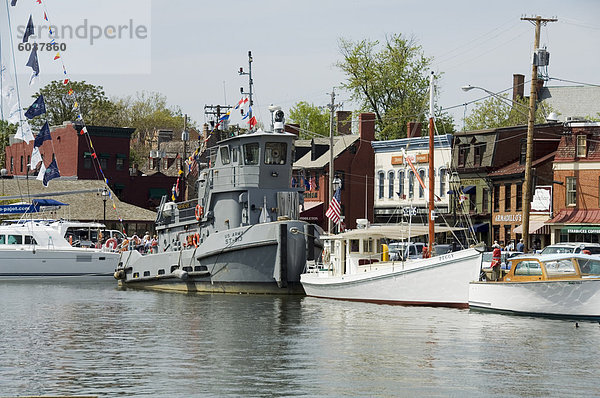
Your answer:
<point x="91" y="338"/>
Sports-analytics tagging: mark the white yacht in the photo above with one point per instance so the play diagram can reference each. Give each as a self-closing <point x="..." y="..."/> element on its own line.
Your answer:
<point x="36" y="249"/>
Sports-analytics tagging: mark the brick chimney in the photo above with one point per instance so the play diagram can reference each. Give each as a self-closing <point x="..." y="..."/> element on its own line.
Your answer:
<point x="344" y="122"/>
<point x="413" y="129"/>
<point x="518" y="86"/>
<point x="366" y="126"/>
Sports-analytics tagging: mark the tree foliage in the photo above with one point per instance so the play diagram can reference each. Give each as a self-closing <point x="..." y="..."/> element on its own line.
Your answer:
<point x="6" y="130"/>
<point x="313" y="121"/>
<point x="390" y="80"/>
<point x="93" y="104"/>
<point x="499" y="111"/>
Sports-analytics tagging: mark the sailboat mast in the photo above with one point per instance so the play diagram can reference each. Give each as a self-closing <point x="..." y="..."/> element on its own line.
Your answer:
<point x="431" y="220"/>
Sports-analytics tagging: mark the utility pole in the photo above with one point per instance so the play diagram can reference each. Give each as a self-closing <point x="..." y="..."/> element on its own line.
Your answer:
<point x="332" y="106"/>
<point x="530" y="125"/>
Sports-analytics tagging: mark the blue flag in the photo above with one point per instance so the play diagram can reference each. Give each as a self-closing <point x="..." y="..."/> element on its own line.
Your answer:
<point x="33" y="61"/>
<point x="43" y="135"/>
<point x="51" y="173"/>
<point x="29" y="30"/>
<point x="37" y="108"/>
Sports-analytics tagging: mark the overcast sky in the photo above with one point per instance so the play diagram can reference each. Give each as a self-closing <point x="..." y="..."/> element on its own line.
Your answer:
<point x="191" y="50"/>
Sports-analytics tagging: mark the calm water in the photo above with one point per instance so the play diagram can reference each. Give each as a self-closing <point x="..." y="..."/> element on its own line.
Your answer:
<point x="76" y="338"/>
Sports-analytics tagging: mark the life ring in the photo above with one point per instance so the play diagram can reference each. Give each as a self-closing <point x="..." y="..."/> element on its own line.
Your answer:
<point x="197" y="239"/>
<point x="111" y="244"/>
<point x="199" y="212"/>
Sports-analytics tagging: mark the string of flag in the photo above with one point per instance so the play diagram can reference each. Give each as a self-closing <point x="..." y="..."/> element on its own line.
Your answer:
<point x="24" y="130"/>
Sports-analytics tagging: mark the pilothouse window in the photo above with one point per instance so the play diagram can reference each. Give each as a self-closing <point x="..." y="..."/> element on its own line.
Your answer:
<point x="225" y="155"/>
<point x="251" y="154"/>
<point x="275" y="152"/>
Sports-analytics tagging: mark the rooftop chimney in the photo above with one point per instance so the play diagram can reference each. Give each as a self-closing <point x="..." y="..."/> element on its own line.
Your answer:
<point x="413" y="129"/>
<point x="366" y="126"/>
<point x="518" y="86"/>
<point x="344" y="122"/>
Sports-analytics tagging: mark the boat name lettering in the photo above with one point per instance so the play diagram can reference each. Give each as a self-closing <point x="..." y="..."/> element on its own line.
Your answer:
<point x="233" y="237"/>
<point x="445" y="257"/>
<point x="185" y="205"/>
<point x="507" y="217"/>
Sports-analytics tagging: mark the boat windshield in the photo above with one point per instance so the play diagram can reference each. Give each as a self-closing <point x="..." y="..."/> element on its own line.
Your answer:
<point x="589" y="267"/>
<point x="557" y="250"/>
<point x="560" y="268"/>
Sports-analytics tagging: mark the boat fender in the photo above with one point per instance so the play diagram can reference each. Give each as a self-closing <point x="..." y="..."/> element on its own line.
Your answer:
<point x="119" y="274"/>
<point x="199" y="212"/>
<point x="181" y="274"/>
<point x="111" y="244"/>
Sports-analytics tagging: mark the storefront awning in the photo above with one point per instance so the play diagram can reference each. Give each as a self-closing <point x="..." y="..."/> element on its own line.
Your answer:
<point x="576" y="216"/>
<point x="535" y="228"/>
<point x="313" y="212"/>
<point x="469" y="189"/>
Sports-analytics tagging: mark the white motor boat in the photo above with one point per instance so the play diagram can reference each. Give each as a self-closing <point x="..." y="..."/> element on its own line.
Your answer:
<point x="555" y="285"/>
<point x="356" y="266"/>
<point x="34" y="249"/>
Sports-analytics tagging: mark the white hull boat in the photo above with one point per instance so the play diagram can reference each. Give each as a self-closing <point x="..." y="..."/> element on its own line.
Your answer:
<point x="363" y="276"/>
<point x="34" y="250"/>
<point x="566" y="285"/>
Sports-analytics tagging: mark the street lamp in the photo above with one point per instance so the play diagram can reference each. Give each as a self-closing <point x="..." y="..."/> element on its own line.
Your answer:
<point x="469" y="88"/>
<point x="104" y="194"/>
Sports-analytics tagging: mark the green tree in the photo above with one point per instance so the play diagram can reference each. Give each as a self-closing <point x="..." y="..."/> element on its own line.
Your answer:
<point x="391" y="80"/>
<point x="499" y="111"/>
<point x="313" y="121"/>
<point x="93" y="104"/>
<point x="6" y="130"/>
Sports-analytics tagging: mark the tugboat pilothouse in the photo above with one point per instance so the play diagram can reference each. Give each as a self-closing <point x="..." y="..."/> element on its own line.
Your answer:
<point x="242" y="234"/>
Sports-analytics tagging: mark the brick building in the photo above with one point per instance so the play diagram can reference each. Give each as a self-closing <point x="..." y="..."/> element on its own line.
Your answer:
<point x="75" y="159"/>
<point x="577" y="195"/>
<point x="353" y="164"/>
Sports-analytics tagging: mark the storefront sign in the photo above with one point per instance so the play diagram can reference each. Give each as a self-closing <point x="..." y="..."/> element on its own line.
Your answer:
<point x="507" y="218"/>
<point x="581" y="230"/>
<point x="396" y="160"/>
<point x="423" y="158"/>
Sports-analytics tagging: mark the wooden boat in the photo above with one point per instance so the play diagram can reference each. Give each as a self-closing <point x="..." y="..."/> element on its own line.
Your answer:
<point x="555" y="285"/>
<point x="356" y="266"/>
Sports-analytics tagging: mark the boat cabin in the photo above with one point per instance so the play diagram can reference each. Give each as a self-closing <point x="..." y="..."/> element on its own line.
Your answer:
<point x="548" y="267"/>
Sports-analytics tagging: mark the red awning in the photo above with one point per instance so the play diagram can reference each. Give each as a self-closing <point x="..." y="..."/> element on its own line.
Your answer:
<point x="313" y="212"/>
<point x="576" y="216"/>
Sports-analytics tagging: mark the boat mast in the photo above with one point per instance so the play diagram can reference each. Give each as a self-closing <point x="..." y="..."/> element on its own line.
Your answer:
<point x="431" y="220"/>
<point x="250" y="83"/>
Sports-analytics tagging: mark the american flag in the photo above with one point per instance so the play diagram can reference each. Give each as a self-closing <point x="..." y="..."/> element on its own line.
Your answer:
<point x="334" y="210"/>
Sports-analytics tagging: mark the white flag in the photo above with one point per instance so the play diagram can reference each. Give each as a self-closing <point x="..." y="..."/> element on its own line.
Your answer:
<point x="16" y="114"/>
<point x="36" y="157"/>
<point x="40" y="175"/>
<point x="24" y="132"/>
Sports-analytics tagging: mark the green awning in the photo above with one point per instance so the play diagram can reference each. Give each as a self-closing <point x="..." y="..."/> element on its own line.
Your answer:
<point x="105" y="155"/>
<point x="119" y="186"/>
<point x="157" y="192"/>
<point x="580" y="229"/>
<point x="121" y="156"/>
<point x="87" y="154"/>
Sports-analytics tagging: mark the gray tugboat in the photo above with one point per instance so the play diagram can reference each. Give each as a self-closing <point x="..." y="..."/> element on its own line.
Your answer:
<point x="242" y="233"/>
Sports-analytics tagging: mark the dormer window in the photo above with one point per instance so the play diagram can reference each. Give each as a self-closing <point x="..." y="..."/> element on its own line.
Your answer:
<point x="463" y="152"/>
<point x="581" y="145"/>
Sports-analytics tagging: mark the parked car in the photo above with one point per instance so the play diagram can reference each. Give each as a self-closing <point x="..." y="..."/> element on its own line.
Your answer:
<point x="406" y="250"/>
<point x="571" y="247"/>
<point x="486" y="261"/>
